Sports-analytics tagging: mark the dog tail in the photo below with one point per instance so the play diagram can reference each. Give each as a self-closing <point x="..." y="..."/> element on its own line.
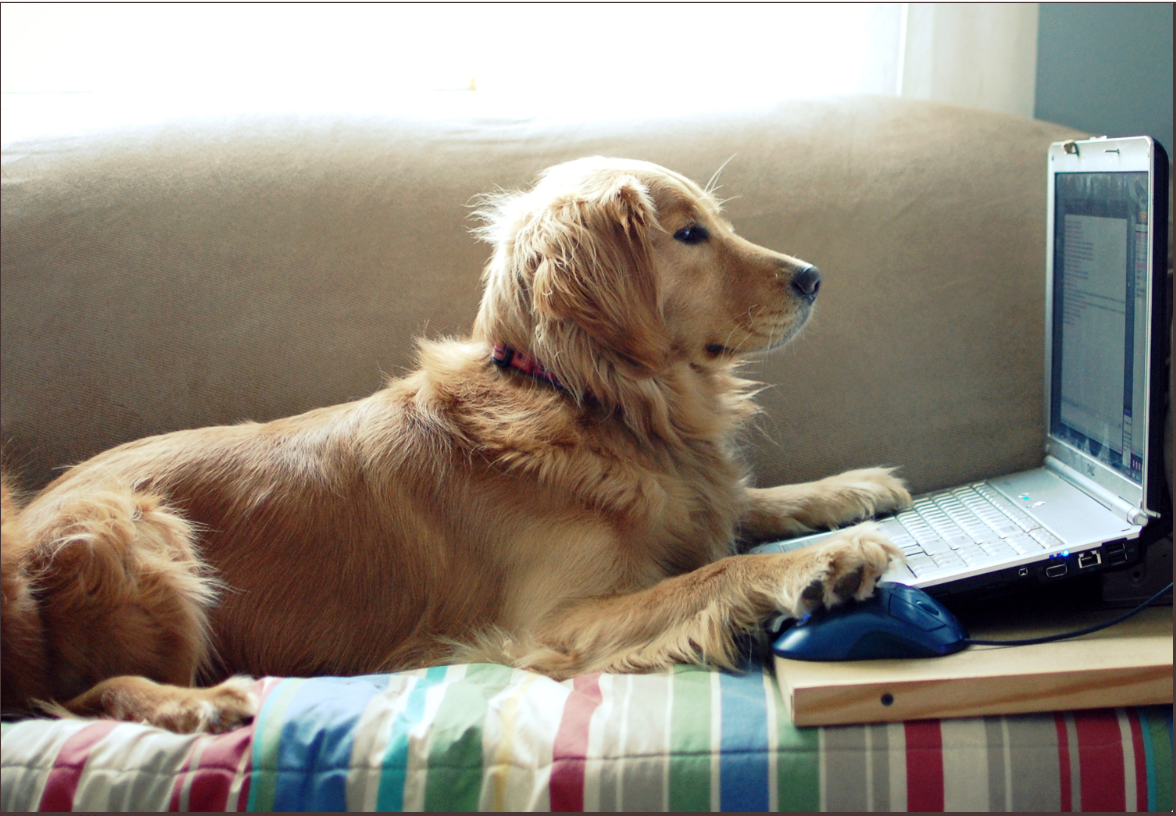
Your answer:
<point x="23" y="658"/>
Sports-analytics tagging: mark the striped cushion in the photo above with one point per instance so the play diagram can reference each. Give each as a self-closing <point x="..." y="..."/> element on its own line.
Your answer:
<point x="487" y="737"/>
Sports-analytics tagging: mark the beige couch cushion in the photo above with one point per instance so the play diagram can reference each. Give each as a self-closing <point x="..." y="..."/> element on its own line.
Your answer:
<point x="208" y="270"/>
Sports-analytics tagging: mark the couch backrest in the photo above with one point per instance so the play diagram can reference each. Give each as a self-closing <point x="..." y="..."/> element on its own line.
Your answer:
<point x="208" y="270"/>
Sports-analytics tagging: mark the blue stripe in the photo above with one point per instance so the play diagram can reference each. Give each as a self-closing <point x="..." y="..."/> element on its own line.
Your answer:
<point x="743" y="766"/>
<point x="263" y="776"/>
<point x="314" y="755"/>
<point x="395" y="765"/>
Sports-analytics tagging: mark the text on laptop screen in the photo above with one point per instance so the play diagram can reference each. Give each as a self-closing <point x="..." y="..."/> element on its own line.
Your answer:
<point x="1099" y="366"/>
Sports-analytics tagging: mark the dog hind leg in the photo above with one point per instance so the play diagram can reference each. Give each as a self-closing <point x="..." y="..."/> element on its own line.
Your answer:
<point x="23" y="669"/>
<point x="122" y="592"/>
<point x="183" y="710"/>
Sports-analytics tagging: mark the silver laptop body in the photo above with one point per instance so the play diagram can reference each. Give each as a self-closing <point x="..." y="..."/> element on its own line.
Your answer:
<point x="1087" y="508"/>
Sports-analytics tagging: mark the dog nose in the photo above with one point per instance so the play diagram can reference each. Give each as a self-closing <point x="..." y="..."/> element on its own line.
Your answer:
<point x="806" y="281"/>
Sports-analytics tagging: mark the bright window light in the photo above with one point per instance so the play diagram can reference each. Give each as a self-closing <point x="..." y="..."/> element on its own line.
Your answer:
<point x="683" y="56"/>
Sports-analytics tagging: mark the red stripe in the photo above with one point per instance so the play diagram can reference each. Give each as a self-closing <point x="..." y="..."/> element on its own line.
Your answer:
<point x="173" y="804"/>
<point x="61" y="784"/>
<point x="209" y="792"/>
<point x="262" y="688"/>
<point x="243" y="794"/>
<point x="220" y="762"/>
<point x="1064" y="780"/>
<point x="1141" y="804"/>
<point x="213" y="775"/>
<point x="1100" y="761"/>
<point x="924" y="762"/>
<point x="571" y="745"/>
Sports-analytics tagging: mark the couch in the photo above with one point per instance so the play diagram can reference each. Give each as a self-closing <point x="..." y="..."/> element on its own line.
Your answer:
<point x="187" y="269"/>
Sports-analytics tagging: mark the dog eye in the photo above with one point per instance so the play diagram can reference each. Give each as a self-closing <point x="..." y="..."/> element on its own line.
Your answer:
<point x="691" y="235"/>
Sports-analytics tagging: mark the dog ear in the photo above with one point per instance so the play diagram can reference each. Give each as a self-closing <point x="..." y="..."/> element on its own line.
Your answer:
<point x="596" y="269"/>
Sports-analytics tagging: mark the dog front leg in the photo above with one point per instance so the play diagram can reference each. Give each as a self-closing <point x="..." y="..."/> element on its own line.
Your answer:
<point x="789" y="510"/>
<point x="695" y="618"/>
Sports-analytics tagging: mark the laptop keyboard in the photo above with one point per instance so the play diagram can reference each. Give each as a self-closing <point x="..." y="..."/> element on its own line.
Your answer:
<point x="964" y="529"/>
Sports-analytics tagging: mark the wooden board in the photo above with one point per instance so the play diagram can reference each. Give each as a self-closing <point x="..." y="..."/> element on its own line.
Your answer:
<point x="1128" y="664"/>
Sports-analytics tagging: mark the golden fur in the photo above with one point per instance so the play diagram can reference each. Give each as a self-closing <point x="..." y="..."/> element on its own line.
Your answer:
<point x="465" y="511"/>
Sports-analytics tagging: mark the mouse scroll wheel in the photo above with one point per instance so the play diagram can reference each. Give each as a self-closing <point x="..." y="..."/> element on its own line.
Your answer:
<point x="921" y="615"/>
<point x="926" y="607"/>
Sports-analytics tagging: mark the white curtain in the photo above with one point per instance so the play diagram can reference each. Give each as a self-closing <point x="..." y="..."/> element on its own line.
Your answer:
<point x="981" y="55"/>
<point x="582" y="58"/>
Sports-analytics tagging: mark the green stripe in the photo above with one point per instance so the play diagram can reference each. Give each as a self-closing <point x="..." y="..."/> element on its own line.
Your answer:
<point x="390" y="796"/>
<point x="798" y="763"/>
<point x="266" y="743"/>
<point x="690" y="740"/>
<point x="1157" y="743"/>
<point x="454" y="780"/>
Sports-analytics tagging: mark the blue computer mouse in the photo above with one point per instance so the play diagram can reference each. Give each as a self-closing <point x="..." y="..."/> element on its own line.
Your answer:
<point x="899" y="621"/>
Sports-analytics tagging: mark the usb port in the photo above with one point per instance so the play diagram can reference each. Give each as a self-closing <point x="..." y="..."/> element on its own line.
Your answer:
<point x="1056" y="571"/>
<point x="1116" y="553"/>
<point x="1090" y="558"/>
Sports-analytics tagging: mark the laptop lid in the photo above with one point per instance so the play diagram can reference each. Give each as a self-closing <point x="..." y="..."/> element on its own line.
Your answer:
<point x="1106" y="333"/>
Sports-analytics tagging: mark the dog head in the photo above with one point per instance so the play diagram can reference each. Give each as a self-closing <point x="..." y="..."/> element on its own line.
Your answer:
<point x="611" y="265"/>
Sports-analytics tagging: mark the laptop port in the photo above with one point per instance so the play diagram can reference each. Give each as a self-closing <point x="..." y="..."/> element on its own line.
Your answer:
<point x="1056" y="571"/>
<point x="1116" y="553"/>
<point x="1090" y="558"/>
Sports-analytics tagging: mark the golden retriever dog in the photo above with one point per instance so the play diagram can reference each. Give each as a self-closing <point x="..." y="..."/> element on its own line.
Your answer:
<point x="561" y="491"/>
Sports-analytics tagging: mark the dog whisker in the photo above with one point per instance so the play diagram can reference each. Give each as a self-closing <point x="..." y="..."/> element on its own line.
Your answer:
<point x="711" y="185"/>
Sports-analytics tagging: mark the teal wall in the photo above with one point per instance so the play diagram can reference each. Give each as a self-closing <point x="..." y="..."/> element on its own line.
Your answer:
<point x="1106" y="68"/>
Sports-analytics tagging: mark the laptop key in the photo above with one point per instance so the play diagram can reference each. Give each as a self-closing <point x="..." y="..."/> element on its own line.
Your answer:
<point x="957" y="541"/>
<point x="1045" y="538"/>
<point x="983" y="559"/>
<point x="1023" y="544"/>
<point x="1000" y="548"/>
<point x="921" y="565"/>
<point x="935" y="545"/>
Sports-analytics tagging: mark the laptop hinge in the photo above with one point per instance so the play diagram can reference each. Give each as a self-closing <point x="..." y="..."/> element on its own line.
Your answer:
<point x="1120" y="507"/>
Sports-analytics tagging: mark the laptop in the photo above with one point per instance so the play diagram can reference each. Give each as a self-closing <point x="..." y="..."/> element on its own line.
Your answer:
<point x="1099" y="495"/>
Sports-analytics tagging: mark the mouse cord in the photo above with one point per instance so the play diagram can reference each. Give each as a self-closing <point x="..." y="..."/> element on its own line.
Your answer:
<point x="1064" y="635"/>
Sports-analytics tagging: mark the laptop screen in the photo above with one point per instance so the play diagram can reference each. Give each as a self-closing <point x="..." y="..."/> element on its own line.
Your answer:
<point x="1100" y="312"/>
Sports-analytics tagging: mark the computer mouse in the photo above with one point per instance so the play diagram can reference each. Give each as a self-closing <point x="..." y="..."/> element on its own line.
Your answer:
<point x="899" y="621"/>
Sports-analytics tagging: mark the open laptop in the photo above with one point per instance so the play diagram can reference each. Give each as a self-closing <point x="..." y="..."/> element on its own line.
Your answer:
<point x="1100" y="491"/>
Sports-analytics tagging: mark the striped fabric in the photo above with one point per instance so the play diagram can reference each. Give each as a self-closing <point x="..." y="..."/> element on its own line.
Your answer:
<point x="485" y="737"/>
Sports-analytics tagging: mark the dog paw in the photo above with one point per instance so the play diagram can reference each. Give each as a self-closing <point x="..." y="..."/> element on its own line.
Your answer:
<point x="213" y="710"/>
<point x="182" y="709"/>
<point x="229" y="705"/>
<point x="844" y="567"/>
<point x="860" y="494"/>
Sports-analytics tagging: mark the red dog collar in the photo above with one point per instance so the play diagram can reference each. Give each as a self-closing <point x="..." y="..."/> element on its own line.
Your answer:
<point x="506" y="357"/>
